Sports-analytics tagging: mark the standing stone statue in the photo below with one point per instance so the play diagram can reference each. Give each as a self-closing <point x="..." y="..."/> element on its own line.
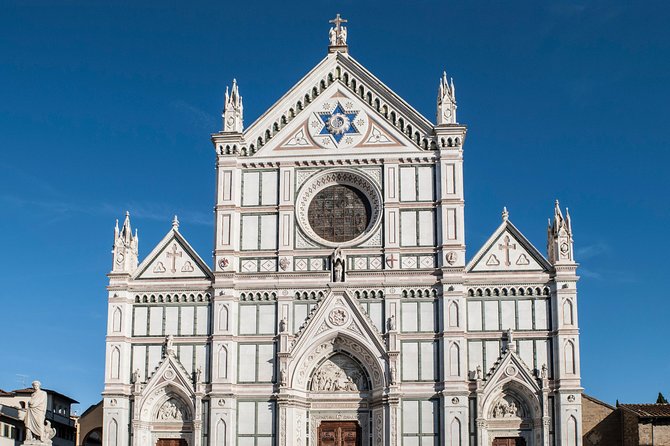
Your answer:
<point x="35" y="414"/>
<point x="338" y="271"/>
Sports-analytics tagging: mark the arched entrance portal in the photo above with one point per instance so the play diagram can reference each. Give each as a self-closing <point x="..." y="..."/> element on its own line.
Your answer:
<point x="340" y="381"/>
<point x="335" y="371"/>
<point x="513" y="415"/>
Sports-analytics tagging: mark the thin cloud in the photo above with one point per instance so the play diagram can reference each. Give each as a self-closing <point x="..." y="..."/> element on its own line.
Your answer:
<point x="64" y="209"/>
<point x="592" y="250"/>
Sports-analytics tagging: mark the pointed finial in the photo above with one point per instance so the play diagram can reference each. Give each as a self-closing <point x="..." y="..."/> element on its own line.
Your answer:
<point x="175" y="223"/>
<point x="116" y="225"/>
<point x="505" y="214"/>
<point x="567" y="220"/>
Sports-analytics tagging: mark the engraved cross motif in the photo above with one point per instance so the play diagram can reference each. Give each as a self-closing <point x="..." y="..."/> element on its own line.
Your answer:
<point x="507" y="246"/>
<point x="390" y="261"/>
<point x="174" y="254"/>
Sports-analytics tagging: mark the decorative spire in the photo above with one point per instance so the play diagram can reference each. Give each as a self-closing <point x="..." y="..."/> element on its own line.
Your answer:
<point x="337" y="36"/>
<point x="505" y="214"/>
<point x="126" y="232"/>
<point x="125" y="249"/>
<point x="559" y="237"/>
<point x="175" y="223"/>
<point x="233" y="110"/>
<point x="446" y="101"/>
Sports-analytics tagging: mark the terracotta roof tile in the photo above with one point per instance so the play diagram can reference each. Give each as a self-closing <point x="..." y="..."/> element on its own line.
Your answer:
<point x="649" y="410"/>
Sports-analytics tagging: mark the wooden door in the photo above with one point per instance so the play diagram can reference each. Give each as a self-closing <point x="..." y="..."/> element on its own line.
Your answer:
<point x="171" y="442"/>
<point x="509" y="441"/>
<point x="339" y="433"/>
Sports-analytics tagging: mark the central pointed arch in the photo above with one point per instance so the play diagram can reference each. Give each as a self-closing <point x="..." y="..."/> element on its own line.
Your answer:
<point x="330" y="345"/>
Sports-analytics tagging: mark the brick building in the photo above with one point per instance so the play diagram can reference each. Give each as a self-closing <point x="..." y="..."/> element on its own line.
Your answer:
<point x="625" y="424"/>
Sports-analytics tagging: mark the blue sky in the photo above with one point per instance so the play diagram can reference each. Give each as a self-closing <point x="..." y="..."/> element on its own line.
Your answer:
<point x="108" y="106"/>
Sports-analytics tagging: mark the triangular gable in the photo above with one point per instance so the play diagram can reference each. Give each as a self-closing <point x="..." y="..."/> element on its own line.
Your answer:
<point x="278" y="122"/>
<point x="315" y="130"/>
<point x="173" y="258"/>
<point x="508" y="250"/>
<point x="338" y="312"/>
<point x="170" y="370"/>
<point x="510" y="367"/>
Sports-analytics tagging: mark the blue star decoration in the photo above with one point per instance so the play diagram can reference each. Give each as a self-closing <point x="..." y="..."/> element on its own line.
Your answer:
<point x="338" y="123"/>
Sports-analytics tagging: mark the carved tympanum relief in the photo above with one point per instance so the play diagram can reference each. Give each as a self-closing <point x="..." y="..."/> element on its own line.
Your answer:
<point x="172" y="410"/>
<point x="508" y="407"/>
<point x="339" y="373"/>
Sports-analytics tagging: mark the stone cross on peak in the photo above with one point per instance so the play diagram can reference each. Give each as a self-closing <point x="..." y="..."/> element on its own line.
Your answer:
<point x="337" y="35"/>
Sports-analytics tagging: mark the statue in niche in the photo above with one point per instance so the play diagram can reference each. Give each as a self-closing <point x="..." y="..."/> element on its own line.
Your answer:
<point x="282" y="325"/>
<point x="136" y="376"/>
<point x="198" y="375"/>
<point x="543" y="372"/>
<point x="339" y="373"/>
<point x="338" y="266"/>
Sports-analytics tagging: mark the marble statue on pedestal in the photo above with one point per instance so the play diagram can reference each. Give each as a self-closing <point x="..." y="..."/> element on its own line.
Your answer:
<point x="37" y="432"/>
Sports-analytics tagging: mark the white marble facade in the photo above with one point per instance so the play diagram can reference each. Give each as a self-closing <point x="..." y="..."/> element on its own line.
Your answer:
<point x="339" y="290"/>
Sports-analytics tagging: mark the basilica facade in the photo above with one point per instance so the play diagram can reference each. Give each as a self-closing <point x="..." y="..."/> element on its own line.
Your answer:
<point x="340" y="306"/>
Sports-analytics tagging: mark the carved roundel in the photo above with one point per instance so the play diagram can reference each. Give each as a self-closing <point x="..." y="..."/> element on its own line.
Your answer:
<point x="339" y="208"/>
<point x="169" y="374"/>
<point x="338" y="317"/>
<point x="510" y="370"/>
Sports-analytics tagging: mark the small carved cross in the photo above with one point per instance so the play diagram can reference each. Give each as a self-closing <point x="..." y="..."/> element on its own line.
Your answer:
<point x="337" y="21"/>
<point x="174" y="254"/>
<point x="507" y="246"/>
<point x="390" y="261"/>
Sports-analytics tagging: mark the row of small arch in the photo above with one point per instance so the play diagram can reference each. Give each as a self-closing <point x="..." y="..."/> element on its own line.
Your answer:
<point x="420" y="140"/>
<point x="147" y="298"/>
<point x="258" y="296"/>
<point x="505" y="291"/>
<point x="418" y="293"/>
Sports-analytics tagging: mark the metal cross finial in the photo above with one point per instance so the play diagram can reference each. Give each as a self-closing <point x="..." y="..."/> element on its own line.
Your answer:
<point x="337" y="21"/>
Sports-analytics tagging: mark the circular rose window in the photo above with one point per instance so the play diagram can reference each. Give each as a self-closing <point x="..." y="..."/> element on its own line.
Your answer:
<point x="339" y="207"/>
<point x="339" y="213"/>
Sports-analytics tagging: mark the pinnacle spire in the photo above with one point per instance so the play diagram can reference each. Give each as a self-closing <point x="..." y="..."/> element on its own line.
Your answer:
<point x="175" y="223"/>
<point x="446" y="101"/>
<point x="505" y="214"/>
<point x="233" y="110"/>
<point x="559" y="236"/>
<point x="124" y="252"/>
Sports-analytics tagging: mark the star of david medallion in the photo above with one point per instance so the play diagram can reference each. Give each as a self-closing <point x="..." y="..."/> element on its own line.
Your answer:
<point x="340" y="124"/>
